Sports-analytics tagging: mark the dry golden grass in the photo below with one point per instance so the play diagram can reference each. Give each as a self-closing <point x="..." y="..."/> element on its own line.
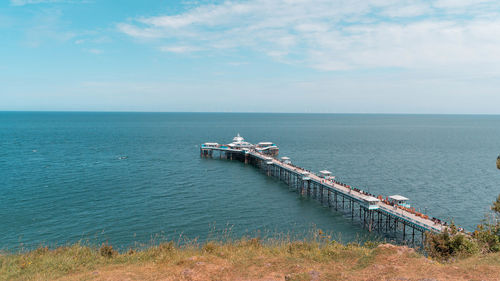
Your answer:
<point x="246" y="259"/>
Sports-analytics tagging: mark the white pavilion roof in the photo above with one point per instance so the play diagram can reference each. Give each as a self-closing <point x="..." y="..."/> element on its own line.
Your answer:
<point x="398" y="198"/>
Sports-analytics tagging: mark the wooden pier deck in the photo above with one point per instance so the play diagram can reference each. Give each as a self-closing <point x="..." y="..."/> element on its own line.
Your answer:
<point x="374" y="214"/>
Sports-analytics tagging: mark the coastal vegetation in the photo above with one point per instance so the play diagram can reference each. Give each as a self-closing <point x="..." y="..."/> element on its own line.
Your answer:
<point x="454" y="244"/>
<point x="451" y="255"/>
<point x="246" y="259"/>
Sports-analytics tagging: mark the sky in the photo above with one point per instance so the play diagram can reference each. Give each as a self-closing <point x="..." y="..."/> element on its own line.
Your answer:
<point x="337" y="56"/>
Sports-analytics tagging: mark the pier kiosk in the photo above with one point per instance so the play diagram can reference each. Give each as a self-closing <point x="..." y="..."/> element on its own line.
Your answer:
<point x="371" y="202"/>
<point x="264" y="144"/>
<point x="267" y="148"/>
<point x="306" y="176"/>
<point x="399" y="200"/>
<point x="286" y="160"/>
<point x="325" y="174"/>
<point x="210" y="145"/>
<point x="269" y="160"/>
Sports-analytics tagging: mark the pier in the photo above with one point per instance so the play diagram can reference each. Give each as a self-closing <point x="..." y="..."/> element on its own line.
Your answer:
<point x="391" y="215"/>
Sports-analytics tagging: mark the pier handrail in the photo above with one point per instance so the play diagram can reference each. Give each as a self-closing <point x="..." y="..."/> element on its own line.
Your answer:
<point x="409" y="219"/>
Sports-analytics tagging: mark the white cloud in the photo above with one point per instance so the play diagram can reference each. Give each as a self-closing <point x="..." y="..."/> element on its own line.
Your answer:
<point x="460" y="3"/>
<point x="337" y="35"/>
<point x="139" y="32"/>
<point x="411" y="10"/>
<point x="179" y="49"/>
<point x="27" y="2"/>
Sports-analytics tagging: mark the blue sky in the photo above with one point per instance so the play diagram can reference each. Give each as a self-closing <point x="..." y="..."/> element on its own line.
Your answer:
<point x="372" y="56"/>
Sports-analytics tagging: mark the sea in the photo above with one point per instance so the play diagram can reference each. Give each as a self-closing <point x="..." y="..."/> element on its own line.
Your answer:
<point x="131" y="179"/>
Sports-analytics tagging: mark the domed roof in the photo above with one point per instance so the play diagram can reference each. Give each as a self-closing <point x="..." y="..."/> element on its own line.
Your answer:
<point x="238" y="138"/>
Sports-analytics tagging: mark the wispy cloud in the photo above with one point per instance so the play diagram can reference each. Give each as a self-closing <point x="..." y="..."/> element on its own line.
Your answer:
<point x="27" y="2"/>
<point x="337" y="35"/>
<point x="180" y="49"/>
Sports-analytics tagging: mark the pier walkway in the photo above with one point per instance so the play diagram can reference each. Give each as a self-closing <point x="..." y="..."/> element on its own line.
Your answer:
<point x="373" y="213"/>
<point x="355" y="195"/>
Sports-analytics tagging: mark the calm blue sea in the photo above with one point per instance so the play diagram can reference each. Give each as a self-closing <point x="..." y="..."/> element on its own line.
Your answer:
<point x="129" y="178"/>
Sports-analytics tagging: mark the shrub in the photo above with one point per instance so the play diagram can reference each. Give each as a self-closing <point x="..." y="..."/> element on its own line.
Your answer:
<point x="371" y="244"/>
<point x="450" y="244"/>
<point x="463" y="245"/>
<point x="107" y="251"/>
<point x="488" y="233"/>
<point x="299" y="247"/>
<point x="255" y="242"/>
<point x="250" y="243"/>
<point x="496" y="205"/>
<point x="41" y="250"/>
<point x="167" y="247"/>
<point x="209" y="247"/>
<point x="488" y="236"/>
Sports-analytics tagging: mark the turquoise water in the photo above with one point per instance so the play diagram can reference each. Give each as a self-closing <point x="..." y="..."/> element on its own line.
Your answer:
<point x="131" y="177"/>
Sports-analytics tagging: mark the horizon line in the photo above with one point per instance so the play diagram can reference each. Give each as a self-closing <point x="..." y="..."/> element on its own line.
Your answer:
<point x="240" y="112"/>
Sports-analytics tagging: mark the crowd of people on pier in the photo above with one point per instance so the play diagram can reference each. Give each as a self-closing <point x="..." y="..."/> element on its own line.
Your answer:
<point x="386" y="201"/>
<point x="438" y="221"/>
<point x="332" y="180"/>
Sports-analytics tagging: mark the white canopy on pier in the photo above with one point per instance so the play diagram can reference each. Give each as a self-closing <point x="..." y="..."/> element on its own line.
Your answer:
<point x="398" y="198"/>
<point x="286" y="160"/>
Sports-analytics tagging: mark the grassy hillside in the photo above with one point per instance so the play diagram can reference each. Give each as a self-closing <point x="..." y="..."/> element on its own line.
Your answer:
<point x="246" y="259"/>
